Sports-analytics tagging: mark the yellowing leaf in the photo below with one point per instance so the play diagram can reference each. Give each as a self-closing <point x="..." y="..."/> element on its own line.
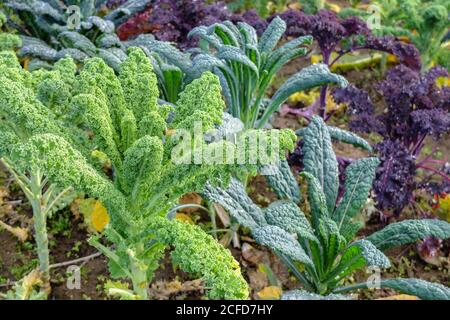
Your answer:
<point x="315" y="58"/>
<point x="100" y="217"/>
<point x="270" y="293"/>
<point x="184" y="217"/>
<point x="334" y="7"/>
<point x="444" y="207"/>
<point x="443" y="82"/>
<point x="95" y="215"/>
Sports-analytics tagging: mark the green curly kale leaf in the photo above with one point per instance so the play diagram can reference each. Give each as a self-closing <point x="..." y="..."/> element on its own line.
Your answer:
<point x="60" y="128"/>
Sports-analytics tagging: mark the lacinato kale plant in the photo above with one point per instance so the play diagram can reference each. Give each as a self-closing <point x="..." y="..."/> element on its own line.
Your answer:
<point x="58" y="124"/>
<point x="322" y="251"/>
<point x="246" y="65"/>
<point x="338" y="37"/>
<point x="51" y="30"/>
<point x="424" y="23"/>
<point x="414" y="108"/>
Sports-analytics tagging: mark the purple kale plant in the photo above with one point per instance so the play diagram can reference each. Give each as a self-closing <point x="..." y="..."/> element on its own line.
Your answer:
<point x="171" y="20"/>
<point x="337" y="37"/>
<point x="414" y="108"/>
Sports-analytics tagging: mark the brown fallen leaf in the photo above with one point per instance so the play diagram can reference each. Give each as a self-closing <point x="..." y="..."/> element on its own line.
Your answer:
<point x="257" y="280"/>
<point x="162" y="290"/>
<point x="19" y="233"/>
<point x="190" y="198"/>
<point x="223" y="215"/>
<point x="253" y="255"/>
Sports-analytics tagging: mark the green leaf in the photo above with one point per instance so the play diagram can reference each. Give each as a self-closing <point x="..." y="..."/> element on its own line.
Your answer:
<point x="316" y="199"/>
<point x="310" y="77"/>
<point x="408" y="231"/>
<point x="349" y="137"/>
<point x="305" y="295"/>
<point x="237" y="203"/>
<point x="287" y="216"/>
<point x="371" y="254"/>
<point x="234" y="54"/>
<point x="423" y="289"/>
<point x="279" y="240"/>
<point x="71" y="39"/>
<point x="37" y="50"/>
<point x="75" y="54"/>
<point x="359" y="176"/>
<point x="272" y="35"/>
<point x="331" y="240"/>
<point x="225" y="33"/>
<point x="283" y="182"/>
<point x="320" y="161"/>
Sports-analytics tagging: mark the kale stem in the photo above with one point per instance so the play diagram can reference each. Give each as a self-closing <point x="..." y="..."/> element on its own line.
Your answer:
<point x="436" y="171"/>
<point x="352" y="287"/>
<point x="299" y="275"/>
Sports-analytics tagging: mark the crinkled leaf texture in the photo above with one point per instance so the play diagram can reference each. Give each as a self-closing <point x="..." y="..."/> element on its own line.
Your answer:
<point x="342" y="136"/>
<point x="199" y="253"/>
<point x="372" y="255"/>
<point x="283" y="182"/>
<point x="358" y="182"/>
<point x="408" y="231"/>
<point x="288" y="216"/>
<point x="309" y="77"/>
<point x="305" y="295"/>
<point x="238" y="204"/>
<point x="349" y="137"/>
<point x="316" y="199"/>
<point x="281" y="241"/>
<point x="320" y="161"/>
<point x="423" y="289"/>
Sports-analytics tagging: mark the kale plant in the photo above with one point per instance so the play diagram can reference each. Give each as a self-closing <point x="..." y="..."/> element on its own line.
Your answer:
<point x="415" y="108"/>
<point x="424" y="23"/>
<point x="122" y="121"/>
<point x="322" y="251"/>
<point x="51" y="30"/>
<point x="338" y="37"/>
<point x="246" y="65"/>
<point x="8" y="41"/>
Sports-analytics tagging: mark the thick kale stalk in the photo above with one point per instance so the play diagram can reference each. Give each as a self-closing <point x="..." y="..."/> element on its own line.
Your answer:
<point x="414" y="108"/>
<point x="325" y="245"/>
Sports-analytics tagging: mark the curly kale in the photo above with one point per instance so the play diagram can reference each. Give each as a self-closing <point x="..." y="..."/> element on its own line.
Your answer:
<point x="416" y="108"/>
<point x="139" y="142"/>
